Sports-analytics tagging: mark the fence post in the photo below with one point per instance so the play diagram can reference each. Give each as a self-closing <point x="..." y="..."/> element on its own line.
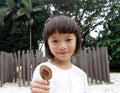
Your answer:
<point x="103" y="64"/>
<point x="40" y="57"/>
<point x="28" y="67"/>
<point x="31" y="64"/>
<point x="99" y="65"/>
<point x="23" y="66"/>
<point x="19" y="69"/>
<point x="107" y="65"/>
<point x="85" y="63"/>
<point x="5" y="68"/>
<point x="2" y="68"/>
<point x="95" y="65"/>
<point x="12" y="68"/>
<point x="90" y="66"/>
<point x="16" y="67"/>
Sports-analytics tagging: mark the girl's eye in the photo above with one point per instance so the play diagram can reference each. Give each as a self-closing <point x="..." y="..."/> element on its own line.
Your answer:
<point x="55" y="41"/>
<point x="69" y="40"/>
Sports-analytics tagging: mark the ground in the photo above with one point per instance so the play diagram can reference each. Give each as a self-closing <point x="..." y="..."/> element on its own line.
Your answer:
<point x="113" y="87"/>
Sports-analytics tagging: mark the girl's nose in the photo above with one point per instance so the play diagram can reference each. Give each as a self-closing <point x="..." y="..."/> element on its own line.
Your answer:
<point x="62" y="46"/>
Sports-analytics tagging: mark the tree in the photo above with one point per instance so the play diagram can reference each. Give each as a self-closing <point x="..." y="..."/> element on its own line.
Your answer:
<point x="20" y="20"/>
<point x="85" y="12"/>
<point x="88" y="13"/>
<point x="110" y="36"/>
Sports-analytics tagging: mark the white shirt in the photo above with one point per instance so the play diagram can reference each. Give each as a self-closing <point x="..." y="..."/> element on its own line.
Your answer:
<point x="73" y="80"/>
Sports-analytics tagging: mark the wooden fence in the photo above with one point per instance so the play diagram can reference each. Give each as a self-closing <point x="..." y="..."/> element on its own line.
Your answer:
<point x="19" y="67"/>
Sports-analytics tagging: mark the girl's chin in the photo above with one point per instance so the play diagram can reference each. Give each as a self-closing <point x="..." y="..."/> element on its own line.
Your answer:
<point x="62" y="59"/>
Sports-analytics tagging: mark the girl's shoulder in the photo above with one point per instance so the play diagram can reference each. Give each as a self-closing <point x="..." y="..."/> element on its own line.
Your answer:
<point x="79" y="70"/>
<point x="43" y="63"/>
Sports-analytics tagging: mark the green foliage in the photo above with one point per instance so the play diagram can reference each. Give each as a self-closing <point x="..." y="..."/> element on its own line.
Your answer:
<point x="10" y="3"/>
<point x="110" y="37"/>
<point x="85" y="12"/>
<point x="16" y="18"/>
<point x="15" y="25"/>
<point x="27" y="5"/>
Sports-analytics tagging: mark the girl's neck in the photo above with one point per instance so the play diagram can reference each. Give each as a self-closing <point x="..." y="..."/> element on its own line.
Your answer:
<point x="62" y="64"/>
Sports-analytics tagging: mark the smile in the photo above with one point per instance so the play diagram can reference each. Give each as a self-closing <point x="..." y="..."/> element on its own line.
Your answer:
<point x="62" y="52"/>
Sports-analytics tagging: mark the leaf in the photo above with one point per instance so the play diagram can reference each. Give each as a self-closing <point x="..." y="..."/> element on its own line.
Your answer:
<point x="37" y="8"/>
<point x="27" y="4"/>
<point x="3" y="11"/>
<point x="1" y="20"/>
<point x="19" y="13"/>
<point x="10" y="3"/>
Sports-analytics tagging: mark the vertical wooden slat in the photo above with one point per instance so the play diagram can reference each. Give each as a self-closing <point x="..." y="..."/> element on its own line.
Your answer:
<point x="31" y="64"/>
<point x="90" y="66"/>
<point x="34" y="62"/>
<point x="5" y="68"/>
<point x="79" y="60"/>
<point x="2" y="68"/>
<point x="41" y="57"/>
<point x="106" y="65"/>
<point x="16" y="65"/>
<point x="8" y="70"/>
<point x="103" y="64"/>
<point x="28" y="67"/>
<point x="19" y="69"/>
<point x="23" y="67"/>
<point x="12" y="69"/>
<point x="99" y="65"/>
<point x="95" y="65"/>
<point x="73" y="59"/>
<point x="37" y="57"/>
<point x="85" y="62"/>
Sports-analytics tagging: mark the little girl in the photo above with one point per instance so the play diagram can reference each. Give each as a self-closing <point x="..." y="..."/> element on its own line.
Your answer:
<point x="62" y="40"/>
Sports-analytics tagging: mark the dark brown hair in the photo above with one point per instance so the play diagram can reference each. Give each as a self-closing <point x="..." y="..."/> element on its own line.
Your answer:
<point x="62" y="24"/>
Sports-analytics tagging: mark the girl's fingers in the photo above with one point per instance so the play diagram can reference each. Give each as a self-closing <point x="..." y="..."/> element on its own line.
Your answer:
<point x="37" y="90"/>
<point x="41" y="81"/>
<point x="40" y="86"/>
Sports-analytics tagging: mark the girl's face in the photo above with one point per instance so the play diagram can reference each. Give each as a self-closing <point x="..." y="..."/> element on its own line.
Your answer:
<point x="62" y="46"/>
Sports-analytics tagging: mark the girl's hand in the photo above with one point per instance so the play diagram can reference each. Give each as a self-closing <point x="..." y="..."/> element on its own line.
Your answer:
<point x="40" y="86"/>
